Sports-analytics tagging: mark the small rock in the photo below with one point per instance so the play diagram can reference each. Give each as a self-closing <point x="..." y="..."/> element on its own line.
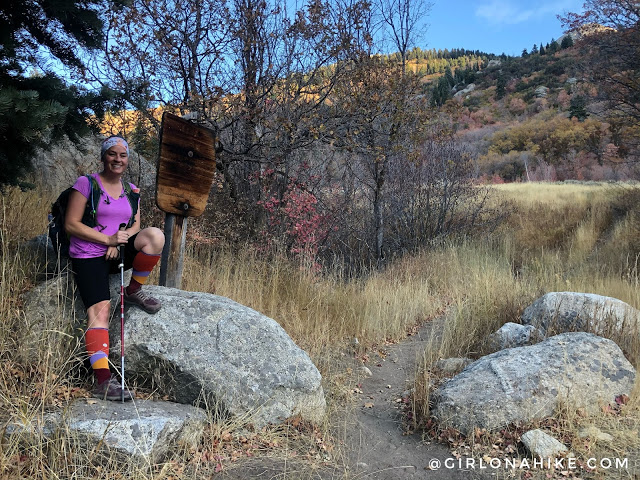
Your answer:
<point x="542" y="445"/>
<point x="365" y="371"/>
<point x="452" y="365"/>
<point x="511" y="335"/>
<point x="362" y="465"/>
<point x="355" y="342"/>
<point x="594" y="432"/>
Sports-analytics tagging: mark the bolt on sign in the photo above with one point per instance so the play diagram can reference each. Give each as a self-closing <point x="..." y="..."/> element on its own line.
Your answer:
<point x="186" y="165"/>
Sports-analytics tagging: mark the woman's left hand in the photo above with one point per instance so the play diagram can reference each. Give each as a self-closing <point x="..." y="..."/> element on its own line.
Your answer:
<point x="112" y="253"/>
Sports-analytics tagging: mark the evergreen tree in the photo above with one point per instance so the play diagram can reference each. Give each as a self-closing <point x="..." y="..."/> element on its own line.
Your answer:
<point x="553" y="47"/>
<point x="542" y="50"/>
<point x="441" y="92"/>
<point x="578" y="107"/>
<point x="525" y="53"/>
<point x="470" y="75"/>
<point x="567" y="41"/>
<point x="38" y="110"/>
<point x="534" y="49"/>
<point x="449" y="77"/>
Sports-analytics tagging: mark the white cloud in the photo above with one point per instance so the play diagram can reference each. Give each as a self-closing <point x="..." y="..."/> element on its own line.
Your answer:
<point x="511" y="13"/>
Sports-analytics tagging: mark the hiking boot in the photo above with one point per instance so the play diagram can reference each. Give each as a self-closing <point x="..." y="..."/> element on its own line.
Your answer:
<point x="111" y="390"/>
<point x="144" y="301"/>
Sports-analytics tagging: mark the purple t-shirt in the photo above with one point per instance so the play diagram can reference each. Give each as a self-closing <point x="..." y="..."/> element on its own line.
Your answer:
<point x="111" y="212"/>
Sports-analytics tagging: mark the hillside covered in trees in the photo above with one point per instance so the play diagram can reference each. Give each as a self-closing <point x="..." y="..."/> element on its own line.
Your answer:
<point x="538" y="117"/>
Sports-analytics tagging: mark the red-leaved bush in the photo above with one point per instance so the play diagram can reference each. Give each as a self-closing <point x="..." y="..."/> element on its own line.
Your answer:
<point x="293" y="220"/>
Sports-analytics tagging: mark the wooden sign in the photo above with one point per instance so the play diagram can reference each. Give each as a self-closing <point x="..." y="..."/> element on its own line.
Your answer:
<point x="186" y="165"/>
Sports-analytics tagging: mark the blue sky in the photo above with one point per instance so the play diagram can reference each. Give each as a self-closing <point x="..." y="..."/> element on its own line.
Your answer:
<point x="495" y="26"/>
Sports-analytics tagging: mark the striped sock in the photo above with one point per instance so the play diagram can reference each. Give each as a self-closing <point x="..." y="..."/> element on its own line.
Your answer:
<point x="143" y="263"/>
<point x="97" y="342"/>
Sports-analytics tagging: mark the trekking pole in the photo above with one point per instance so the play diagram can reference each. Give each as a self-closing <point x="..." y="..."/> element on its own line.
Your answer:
<point x="121" y="251"/>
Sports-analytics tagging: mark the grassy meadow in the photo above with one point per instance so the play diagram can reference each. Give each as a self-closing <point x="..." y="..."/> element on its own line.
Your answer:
<point x="557" y="237"/>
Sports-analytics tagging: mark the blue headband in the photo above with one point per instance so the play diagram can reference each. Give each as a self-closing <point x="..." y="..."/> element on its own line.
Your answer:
<point x="110" y="142"/>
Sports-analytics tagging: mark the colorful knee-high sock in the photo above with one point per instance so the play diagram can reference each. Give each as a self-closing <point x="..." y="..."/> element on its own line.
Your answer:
<point x="143" y="263"/>
<point x="97" y="342"/>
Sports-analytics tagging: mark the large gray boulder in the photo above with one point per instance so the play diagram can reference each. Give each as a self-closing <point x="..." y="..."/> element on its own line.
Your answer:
<point x="203" y="346"/>
<point x="522" y="384"/>
<point x="199" y="347"/>
<point x="136" y="432"/>
<point x="564" y="311"/>
<point x="54" y="314"/>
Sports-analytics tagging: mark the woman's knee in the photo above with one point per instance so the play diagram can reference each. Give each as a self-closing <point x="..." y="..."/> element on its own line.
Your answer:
<point x="150" y="240"/>
<point x="98" y="315"/>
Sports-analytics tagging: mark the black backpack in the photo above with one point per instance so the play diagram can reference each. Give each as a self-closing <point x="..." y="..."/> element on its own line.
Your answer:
<point x="58" y="235"/>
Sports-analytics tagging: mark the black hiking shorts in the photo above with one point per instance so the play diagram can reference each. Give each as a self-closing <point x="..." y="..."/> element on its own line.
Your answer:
<point x="92" y="274"/>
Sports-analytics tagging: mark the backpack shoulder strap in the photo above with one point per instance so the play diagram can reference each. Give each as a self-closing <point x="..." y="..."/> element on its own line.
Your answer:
<point x="91" y="209"/>
<point x="134" y="198"/>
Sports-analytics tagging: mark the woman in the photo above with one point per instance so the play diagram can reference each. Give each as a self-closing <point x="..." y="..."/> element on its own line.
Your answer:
<point x="94" y="255"/>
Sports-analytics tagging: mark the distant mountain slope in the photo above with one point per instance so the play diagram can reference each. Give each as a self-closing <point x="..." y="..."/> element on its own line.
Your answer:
<point x="533" y="117"/>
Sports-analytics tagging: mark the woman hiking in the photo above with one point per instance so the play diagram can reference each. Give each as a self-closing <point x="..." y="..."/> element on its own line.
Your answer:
<point x="94" y="254"/>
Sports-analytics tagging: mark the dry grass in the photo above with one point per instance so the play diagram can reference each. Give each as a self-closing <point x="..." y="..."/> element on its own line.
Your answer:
<point x="317" y="311"/>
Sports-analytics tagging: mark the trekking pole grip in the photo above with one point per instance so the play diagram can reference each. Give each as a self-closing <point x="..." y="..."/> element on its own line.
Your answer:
<point x="123" y="226"/>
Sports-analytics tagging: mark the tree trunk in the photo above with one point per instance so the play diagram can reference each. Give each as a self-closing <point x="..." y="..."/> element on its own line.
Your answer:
<point x="378" y="214"/>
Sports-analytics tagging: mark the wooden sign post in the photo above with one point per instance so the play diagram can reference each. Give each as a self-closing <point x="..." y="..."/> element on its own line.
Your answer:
<point x="186" y="165"/>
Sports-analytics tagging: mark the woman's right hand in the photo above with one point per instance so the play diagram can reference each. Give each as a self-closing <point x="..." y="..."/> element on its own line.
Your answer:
<point x="121" y="237"/>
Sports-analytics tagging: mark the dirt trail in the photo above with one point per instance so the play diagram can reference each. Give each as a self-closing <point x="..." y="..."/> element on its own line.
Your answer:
<point x="372" y="437"/>
<point x="378" y="447"/>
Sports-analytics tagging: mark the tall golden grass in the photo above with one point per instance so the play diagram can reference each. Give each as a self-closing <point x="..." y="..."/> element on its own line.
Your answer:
<point x="558" y="237"/>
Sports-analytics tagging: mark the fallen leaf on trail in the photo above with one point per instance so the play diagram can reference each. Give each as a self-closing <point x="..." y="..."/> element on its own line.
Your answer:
<point x="368" y="405"/>
<point x="91" y="402"/>
<point x="607" y="409"/>
<point x="622" y="399"/>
